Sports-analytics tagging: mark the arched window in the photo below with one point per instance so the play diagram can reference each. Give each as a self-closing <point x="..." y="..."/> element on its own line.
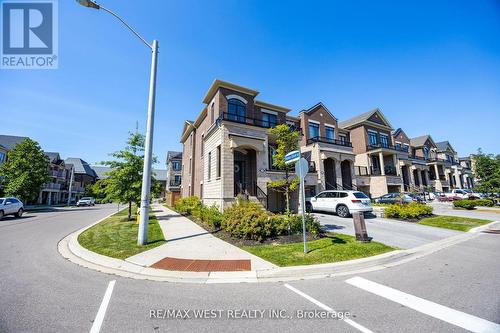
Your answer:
<point x="236" y="110"/>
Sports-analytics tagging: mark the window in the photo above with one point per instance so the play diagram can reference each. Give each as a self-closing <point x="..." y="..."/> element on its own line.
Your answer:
<point x="202" y="144"/>
<point x="269" y="120"/>
<point x="372" y="137"/>
<point x="426" y="153"/>
<point x="343" y="138"/>
<point x="176" y="165"/>
<point x="189" y="165"/>
<point x="212" y="113"/>
<point x="397" y="145"/>
<point x="209" y="165"/>
<point x="313" y="130"/>
<point x="384" y="140"/>
<point x="177" y="179"/>
<point x="236" y="110"/>
<point x="406" y="147"/>
<point x="343" y="195"/>
<point x="329" y="133"/>
<point x="2" y="157"/>
<point x="219" y="161"/>
<point x="271" y="152"/>
<point x="360" y="195"/>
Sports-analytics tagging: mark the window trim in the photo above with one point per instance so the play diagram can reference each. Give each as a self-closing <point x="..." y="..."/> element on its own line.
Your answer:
<point x="238" y="97"/>
<point x="209" y="171"/>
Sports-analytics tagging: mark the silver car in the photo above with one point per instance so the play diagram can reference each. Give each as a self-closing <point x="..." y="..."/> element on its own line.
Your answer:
<point x="11" y="206"/>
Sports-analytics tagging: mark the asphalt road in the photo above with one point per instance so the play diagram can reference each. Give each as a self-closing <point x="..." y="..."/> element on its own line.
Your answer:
<point x="404" y="235"/>
<point x="42" y="292"/>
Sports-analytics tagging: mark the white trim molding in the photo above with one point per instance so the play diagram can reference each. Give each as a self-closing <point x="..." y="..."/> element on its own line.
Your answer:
<point x="268" y="111"/>
<point x="228" y="97"/>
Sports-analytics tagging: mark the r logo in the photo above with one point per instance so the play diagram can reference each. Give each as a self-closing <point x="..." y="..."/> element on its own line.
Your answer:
<point x="27" y="28"/>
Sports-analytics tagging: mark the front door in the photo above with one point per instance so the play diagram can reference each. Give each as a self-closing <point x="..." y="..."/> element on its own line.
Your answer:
<point x="345" y="168"/>
<point x="239" y="177"/>
<point x="330" y="177"/>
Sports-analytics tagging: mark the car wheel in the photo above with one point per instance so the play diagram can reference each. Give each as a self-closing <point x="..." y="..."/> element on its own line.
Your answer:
<point x="19" y="212"/>
<point x="1" y="214"/>
<point x="309" y="207"/>
<point x="342" y="211"/>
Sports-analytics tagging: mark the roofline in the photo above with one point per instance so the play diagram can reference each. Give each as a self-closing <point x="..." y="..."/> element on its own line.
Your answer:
<point x="219" y="83"/>
<point x="189" y="126"/>
<point x="324" y="107"/>
<point x="271" y="106"/>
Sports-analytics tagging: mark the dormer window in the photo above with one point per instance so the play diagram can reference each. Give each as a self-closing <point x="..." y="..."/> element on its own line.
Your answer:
<point x="329" y="133"/>
<point x="236" y="110"/>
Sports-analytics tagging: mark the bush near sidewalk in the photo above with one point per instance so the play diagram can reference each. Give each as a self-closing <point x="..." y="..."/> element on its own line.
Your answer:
<point x="412" y="210"/>
<point x="247" y="220"/>
<point x="471" y="204"/>
<point x="116" y="236"/>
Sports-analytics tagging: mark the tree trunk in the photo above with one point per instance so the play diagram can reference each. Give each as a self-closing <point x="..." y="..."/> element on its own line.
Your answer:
<point x="130" y="210"/>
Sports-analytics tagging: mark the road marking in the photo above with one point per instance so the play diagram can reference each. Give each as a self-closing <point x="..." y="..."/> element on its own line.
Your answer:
<point x="327" y="308"/>
<point x="96" y="326"/>
<point x="454" y="317"/>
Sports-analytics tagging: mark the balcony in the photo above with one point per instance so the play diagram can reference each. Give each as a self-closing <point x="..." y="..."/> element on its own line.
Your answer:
<point x="52" y="186"/>
<point x="386" y="146"/>
<point x="389" y="170"/>
<point x="252" y="121"/>
<point x="174" y="183"/>
<point x="330" y="141"/>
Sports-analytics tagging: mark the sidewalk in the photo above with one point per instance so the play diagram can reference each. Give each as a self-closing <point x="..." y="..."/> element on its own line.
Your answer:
<point x="187" y="240"/>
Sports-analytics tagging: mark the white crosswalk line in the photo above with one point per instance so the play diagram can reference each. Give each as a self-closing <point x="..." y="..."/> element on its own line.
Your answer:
<point x="327" y="308"/>
<point x="99" y="318"/>
<point x="449" y="315"/>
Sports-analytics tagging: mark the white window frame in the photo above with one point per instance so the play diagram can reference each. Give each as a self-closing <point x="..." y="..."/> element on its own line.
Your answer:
<point x="238" y="97"/>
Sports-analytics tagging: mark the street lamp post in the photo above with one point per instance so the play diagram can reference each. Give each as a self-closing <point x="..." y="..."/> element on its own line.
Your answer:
<point x="142" y="237"/>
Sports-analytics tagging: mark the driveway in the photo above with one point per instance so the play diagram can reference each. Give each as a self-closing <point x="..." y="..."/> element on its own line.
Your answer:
<point x="404" y="235"/>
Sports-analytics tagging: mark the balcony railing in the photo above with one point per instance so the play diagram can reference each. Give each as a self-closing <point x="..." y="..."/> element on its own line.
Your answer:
<point x="420" y="158"/>
<point x="174" y="183"/>
<point x="329" y="140"/>
<point x="52" y="186"/>
<point x="388" y="170"/>
<point x="386" y="146"/>
<point x="252" y="121"/>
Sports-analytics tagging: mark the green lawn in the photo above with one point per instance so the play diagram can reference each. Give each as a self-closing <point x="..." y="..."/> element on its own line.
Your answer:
<point x="116" y="237"/>
<point x="333" y="248"/>
<point x="453" y="222"/>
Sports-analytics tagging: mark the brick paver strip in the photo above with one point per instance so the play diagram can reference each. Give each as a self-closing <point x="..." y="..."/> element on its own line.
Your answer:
<point x="198" y="265"/>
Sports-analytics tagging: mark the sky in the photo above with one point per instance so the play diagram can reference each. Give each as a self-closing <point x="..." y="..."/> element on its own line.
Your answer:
<point x="432" y="67"/>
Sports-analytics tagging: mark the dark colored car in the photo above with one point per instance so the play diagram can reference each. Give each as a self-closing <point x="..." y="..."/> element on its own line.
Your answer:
<point x="394" y="197"/>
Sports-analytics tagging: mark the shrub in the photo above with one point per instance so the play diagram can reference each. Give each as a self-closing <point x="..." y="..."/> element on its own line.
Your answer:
<point x="208" y="215"/>
<point x="408" y="211"/>
<point x="187" y="205"/>
<point x="485" y="202"/>
<point x="466" y="204"/>
<point x="249" y="220"/>
<point x="312" y="224"/>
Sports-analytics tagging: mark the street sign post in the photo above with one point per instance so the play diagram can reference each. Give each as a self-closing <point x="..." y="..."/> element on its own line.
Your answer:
<point x="292" y="156"/>
<point x="301" y="168"/>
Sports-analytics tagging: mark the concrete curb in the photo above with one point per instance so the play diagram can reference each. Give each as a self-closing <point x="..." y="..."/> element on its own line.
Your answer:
<point x="74" y="252"/>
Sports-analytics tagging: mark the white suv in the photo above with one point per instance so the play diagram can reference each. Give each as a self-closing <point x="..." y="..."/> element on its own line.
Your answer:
<point x="11" y="206"/>
<point x="341" y="202"/>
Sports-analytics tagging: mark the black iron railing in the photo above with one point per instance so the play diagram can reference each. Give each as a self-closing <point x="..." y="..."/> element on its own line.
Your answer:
<point x="174" y="183"/>
<point x="387" y="146"/>
<point x="388" y="170"/>
<point x="329" y="140"/>
<point x="415" y="157"/>
<point x="253" y="121"/>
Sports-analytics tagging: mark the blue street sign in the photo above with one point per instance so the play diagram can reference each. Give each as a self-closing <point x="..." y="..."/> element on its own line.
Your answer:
<point x="292" y="156"/>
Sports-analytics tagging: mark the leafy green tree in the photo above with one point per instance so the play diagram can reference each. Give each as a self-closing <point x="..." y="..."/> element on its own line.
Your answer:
<point x="487" y="171"/>
<point x="287" y="140"/>
<point x="124" y="180"/>
<point x="25" y="170"/>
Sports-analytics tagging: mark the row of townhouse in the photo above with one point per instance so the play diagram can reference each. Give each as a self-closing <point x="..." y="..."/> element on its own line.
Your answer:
<point x="174" y="176"/>
<point x="66" y="177"/>
<point x="228" y="151"/>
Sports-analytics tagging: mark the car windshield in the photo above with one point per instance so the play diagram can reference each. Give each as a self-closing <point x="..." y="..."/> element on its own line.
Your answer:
<point x="85" y="198"/>
<point x="360" y="195"/>
<point x="2" y="200"/>
<point x="467" y="191"/>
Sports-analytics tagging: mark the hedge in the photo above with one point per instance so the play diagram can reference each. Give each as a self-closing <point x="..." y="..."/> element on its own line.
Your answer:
<point x="471" y="204"/>
<point x="412" y="210"/>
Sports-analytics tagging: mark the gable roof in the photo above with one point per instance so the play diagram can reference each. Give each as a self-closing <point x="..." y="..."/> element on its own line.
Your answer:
<point x="188" y="127"/>
<point x="443" y="146"/>
<point x="364" y="117"/>
<point x="174" y="155"/>
<point x="101" y="171"/>
<point x="80" y="166"/>
<point x="10" y="141"/>
<point x="419" y="141"/>
<point x="53" y="156"/>
<point x="315" y="106"/>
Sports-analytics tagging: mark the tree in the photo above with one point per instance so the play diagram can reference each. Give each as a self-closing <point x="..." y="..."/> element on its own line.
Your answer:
<point x="287" y="140"/>
<point x="124" y="180"/>
<point x="487" y="171"/>
<point x="25" y="170"/>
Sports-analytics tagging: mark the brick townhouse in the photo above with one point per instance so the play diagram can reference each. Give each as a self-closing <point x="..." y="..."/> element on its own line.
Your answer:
<point x="228" y="151"/>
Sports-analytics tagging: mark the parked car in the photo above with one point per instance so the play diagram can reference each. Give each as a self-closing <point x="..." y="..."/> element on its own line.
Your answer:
<point x="11" y="206"/>
<point x="86" y="201"/>
<point x="343" y="203"/>
<point x="415" y="197"/>
<point x="395" y="197"/>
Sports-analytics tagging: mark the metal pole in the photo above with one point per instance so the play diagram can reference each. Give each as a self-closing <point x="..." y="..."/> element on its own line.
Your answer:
<point x="70" y="184"/>
<point x="303" y="208"/>
<point x="142" y="237"/>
